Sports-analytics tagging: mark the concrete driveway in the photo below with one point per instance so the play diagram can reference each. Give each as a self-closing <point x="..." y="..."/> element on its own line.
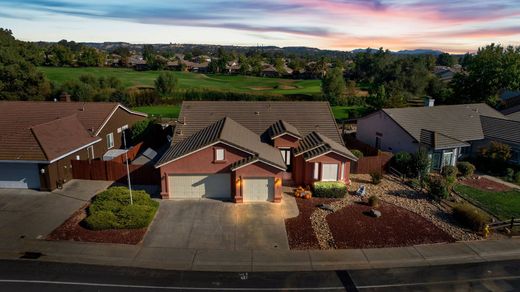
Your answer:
<point x="32" y="214"/>
<point x="210" y="224"/>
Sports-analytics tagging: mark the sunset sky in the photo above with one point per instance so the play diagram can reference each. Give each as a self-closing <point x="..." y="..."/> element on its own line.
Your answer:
<point x="455" y="26"/>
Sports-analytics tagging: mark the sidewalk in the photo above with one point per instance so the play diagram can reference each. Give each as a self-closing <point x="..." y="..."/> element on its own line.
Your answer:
<point x="263" y="260"/>
<point x="498" y="180"/>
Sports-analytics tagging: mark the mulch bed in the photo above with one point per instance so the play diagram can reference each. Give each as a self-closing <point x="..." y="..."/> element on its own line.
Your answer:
<point x="72" y="230"/>
<point x="299" y="229"/>
<point x="397" y="227"/>
<point x="485" y="184"/>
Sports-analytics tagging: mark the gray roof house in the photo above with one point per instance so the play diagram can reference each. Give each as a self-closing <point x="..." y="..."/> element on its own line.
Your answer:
<point x="503" y="131"/>
<point x="446" y="131"/>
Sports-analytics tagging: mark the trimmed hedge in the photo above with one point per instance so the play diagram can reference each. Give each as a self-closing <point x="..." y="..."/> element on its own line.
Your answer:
<point x="465" y="168"/>
<point x="438" y="188"/>
<point x="471" y="216"/>
<point x="328" y="189"/>
<point x="111" y="209"/>
<point x="373" y="201"/>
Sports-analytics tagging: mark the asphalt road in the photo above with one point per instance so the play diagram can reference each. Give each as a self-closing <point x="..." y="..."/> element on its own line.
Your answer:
<point x="29" y="275"/>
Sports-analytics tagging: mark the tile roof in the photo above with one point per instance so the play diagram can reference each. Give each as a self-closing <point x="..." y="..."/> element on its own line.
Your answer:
<point x="228" y="131"/>
<point x="281" y="127"/>
<point x="460" y="122"/>
<point x="440" y="141"/>
<point x="501" y="129"/>
<point x="17" y="119"/>
<point x="60" y="136"/>
<point x="258" y="116"/>
<point x="316" y="144"/>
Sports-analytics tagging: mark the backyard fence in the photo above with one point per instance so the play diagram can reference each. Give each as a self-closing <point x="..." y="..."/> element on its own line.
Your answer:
<point x="371" y="164"/>
<point x="132" y="154"/>
<point x="115" y="171"/>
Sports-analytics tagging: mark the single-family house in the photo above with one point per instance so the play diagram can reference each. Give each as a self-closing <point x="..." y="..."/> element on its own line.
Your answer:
<point x="39" y="139"/>
<point x="446" y="131"/>
<point x="245" y="151"/>
<point x="501" y="130"/>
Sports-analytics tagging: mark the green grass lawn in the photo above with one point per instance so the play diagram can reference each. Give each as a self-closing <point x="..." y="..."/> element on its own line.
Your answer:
<point x="349" y="112"/>
<point x="187" y="80"/>
<point x="164" y="111"/>
<point x="172" y="111"/>
<point x="504" y="205"/>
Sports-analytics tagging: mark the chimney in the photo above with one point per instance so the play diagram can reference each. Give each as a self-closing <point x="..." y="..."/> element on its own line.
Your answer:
<point x="429" y="102"/>
<point x="64" y="97"/>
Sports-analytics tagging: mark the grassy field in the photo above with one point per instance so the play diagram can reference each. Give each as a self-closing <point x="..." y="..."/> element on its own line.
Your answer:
<point x="504" y="205"/>
<point x="164" y="111"/>
<point x="249" y="84"/>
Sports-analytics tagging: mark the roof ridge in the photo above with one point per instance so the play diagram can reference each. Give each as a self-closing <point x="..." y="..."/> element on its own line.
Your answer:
<point x="56" y="119"/>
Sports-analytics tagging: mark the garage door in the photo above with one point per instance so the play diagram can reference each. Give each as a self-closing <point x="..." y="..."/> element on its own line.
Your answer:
<point x="258" y="189"/>
<point x="213" y="186"/>
<point x="19" y="176"/>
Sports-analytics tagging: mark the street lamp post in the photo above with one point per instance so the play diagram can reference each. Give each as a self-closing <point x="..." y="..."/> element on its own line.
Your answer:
<point x="127" y="167"/>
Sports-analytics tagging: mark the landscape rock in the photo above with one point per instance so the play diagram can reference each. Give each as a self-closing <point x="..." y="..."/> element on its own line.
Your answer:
<point x="375" y="213"/>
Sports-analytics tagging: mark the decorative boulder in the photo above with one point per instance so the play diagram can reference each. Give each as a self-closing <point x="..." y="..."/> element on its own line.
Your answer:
<point x="375" y="213"/>
<point x="326" y="207"/>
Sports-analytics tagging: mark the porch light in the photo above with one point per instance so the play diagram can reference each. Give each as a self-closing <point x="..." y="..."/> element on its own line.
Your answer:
<point x="278" y="182"/>
<point x="42" y="171"/>
<point x="237" y="181"/>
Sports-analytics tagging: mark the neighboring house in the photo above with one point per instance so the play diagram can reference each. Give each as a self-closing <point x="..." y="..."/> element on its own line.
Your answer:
<point x="245" y="151"/>
<point x="39" y="139"/>
<point x="503" y="131"/>
<point x="446" y="131"/>
<point x="269" y="71"/>
<point x="509" y="98"/>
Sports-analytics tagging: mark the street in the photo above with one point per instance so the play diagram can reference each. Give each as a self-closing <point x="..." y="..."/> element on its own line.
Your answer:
<point x="27" y="275"/>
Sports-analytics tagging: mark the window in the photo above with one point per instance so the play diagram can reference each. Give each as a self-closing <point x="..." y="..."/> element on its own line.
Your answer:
<point x="329" y="172"/>
<point x="515" y="155"/>
<point x="316" y="170"/>
<point x="90" y="152"/>
<point x="378" y="143"/>
<point x="286" y="154"/>
<point x="110" y="140"/>
<point x="436" y="161"/>
<point x="342" y="170"/>
<point x="219" y="154"/>
<point x="447" y="158"/>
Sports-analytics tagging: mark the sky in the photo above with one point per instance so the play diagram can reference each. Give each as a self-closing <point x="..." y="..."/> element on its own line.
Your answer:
<point x="455" y="26"/>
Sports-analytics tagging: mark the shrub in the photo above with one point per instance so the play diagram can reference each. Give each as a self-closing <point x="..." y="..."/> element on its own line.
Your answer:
<point x="357" y="153"/>
<point x="450" y="174"/>
<point x="136" y="216"/>
<point x="373" y="201"/>
<point x="111" y="209"/>
<point x="470" y="216"/>
<point x="403" y="162"/>
<point x="438" y="188"/>
<point x="376" y="177"/>
<point x="329" y="189"/>
<point x="101" y="220"/>
<point x="517" y="177"/>
<point x="139" y="130"/>
<point x="465" y="168"/>
<point x="510" y="174"/>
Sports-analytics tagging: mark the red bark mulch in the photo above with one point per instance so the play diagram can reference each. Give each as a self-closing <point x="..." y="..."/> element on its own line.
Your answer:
<point x="351" y="227"/>
<point x="299" y="229"/>
<point x="72" y="230"/>
<point x="485" y="184"/>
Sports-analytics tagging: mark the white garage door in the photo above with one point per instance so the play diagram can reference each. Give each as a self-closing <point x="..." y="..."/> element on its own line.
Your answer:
<point x="19" y="176"/>
<point x="214" y="186"/>
<point x="258" y="189"/>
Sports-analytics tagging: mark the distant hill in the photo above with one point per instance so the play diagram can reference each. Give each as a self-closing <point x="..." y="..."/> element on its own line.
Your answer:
<point x="403" y="52"/>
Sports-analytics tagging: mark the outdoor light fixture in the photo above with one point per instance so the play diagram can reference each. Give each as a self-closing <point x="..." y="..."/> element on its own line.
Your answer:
<point x="42" y="171"/>
<point x="278" y="182"/>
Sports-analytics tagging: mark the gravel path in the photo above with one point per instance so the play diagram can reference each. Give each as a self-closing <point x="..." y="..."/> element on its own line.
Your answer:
<point x="405" y="197"/>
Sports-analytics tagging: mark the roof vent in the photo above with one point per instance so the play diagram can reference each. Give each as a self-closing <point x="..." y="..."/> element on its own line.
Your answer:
<point x="65" y="97"/>
<point x="257" y="113"/>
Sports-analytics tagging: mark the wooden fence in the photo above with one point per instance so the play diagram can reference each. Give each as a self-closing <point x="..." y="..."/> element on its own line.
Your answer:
<point x="370" y="164"/>
<point x="115" y="171"/>
<point x="505" y="224"/>
<point x="132" y="153"/>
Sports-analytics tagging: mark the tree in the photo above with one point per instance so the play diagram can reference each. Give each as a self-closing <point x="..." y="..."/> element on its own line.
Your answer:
<point x="166" y="84"/>
<point x="421" y="165"/>
<point x="90" y="57"/>
<point x="445" y="59"/>
<point x="491" y="70"/>
<point x="279" y="65"/>
<point x="19" y="79"/>
<point x="333" y="85"/>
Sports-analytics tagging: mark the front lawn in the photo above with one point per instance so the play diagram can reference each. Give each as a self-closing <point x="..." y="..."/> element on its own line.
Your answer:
<point x="504" y="204"/>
